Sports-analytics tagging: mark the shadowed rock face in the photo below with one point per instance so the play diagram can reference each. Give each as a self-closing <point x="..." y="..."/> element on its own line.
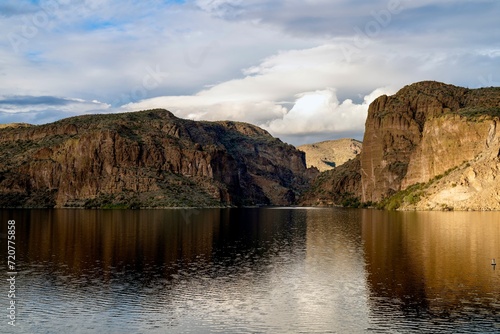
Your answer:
<point x="335" y="186"/>
<point x="147" y="159"/>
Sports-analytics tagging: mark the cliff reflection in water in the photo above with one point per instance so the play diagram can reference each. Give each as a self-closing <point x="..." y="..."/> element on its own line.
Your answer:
<point x="275" y="270"/>
<point x="433" y="264"/>
<point x="86" y="241"/>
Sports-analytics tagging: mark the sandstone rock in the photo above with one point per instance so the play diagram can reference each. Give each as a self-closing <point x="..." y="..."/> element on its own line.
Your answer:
<point x="438" y="142"/>
<point x="422" y="131"/>
<point x="329" y="154"/>
<point x="15" y="125"/>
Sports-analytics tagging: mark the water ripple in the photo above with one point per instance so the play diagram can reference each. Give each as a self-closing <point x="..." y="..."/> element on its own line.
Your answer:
<point x="286" y="271"/>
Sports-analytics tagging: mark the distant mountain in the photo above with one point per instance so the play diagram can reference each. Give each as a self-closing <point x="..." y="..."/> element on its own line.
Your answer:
<point x="430" y="146"/>
<point x="15" y="125"/>
<point x="147" y="159"/>
<point x="329" y="154"/>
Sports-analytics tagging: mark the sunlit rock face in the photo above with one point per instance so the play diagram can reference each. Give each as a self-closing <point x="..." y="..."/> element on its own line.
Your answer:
<point x="426" y="131"/>
<point x="423" y="131"/>
<point x="327" y="155"/>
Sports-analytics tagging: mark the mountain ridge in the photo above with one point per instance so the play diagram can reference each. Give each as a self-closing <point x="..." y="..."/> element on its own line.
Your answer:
<point x="430" y="146"/>
<point x="147" y="159"/>
<point x="423" y="134"/>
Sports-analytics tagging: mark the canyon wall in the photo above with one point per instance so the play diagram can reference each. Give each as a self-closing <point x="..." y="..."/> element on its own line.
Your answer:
<point x="422" y="131"/>
<point x="147" y="159"/>
<point x="436" y="141"/>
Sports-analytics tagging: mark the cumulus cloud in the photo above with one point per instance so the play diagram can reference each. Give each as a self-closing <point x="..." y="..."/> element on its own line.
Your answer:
<point x="315" y="114"/>
<point x="322" y="112"/>
<point x="288" y="95"/>
<point x="301" y="69"/>
<point x="315" y="92"/>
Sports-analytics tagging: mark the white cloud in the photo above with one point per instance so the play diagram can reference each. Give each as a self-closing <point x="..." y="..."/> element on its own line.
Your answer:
<point x="322" y="112"/>
<point x="271" y="63"/>
<point x="287" y="94"/>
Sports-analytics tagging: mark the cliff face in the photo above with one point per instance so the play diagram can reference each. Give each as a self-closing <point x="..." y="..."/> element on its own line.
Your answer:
<point x="430" y="146"/>
<point x="341" y="185"/>
<point x="146" y="159"/>
<point x="422" y="131"/>
<point x="446" y="142"/>
<point x="327" y="155"/>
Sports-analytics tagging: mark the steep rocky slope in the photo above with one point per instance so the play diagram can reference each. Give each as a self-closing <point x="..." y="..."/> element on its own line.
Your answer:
<point x="341" y="185"/>
<point x="146" y="159"/>
<point x="422" y="131"/>
<point x="329" y="154"/>
<point x="472" y="184"/>
<point x="430" y="146"/>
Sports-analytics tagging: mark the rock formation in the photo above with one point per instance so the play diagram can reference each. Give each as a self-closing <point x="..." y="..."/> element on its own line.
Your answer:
<point x="147" y="159"/>
<point x="430" y="146"/>
<point x="437" y="142"/>
<point x="329" y="154"/>
<point x="422" y="131"/>
<point x="341" y="185"/>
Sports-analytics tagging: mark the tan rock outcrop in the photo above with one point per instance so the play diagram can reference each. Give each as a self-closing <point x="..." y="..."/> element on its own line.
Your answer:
<point x="446" y="142"/>
<point x="422" y="131"/>
<point x="440" y="137"/>
<point x="329" y="154"/>
<point x="472" y="185"/>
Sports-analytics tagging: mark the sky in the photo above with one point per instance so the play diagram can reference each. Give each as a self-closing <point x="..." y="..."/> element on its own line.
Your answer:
<point x="305" y="70"/>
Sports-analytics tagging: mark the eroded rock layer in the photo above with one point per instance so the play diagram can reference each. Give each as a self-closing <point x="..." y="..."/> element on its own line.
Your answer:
<point x="422" y="131"/>
<point x="437" y="142"/>
<point x="146" y="159"/>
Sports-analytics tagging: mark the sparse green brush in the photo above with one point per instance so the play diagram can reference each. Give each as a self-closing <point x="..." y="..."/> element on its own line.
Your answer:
<point x="351" y="202"/>
<point x="412" y="199"/>
<point x="473" y="113"/>
<point x="410" y="195"/>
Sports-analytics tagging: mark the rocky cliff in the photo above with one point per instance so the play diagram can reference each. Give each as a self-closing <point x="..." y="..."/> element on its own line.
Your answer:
<point x="146" y="159"/>
<point x="461" y="159"/>
<point x="422" y="131"/>
<point x="329" y="154"/>
<point x="421" y="137"/>
<point x="341" y="185"/>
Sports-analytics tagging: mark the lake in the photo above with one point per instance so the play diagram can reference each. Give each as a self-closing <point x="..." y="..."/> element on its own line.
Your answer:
<point x="262" y="270"/>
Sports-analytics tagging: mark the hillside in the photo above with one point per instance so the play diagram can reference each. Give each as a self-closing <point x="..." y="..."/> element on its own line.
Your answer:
<point x="429" y="146"/>
<point x="329" y="154"/>
<point x="147" y="159"/>
<point x="338" y="186"/>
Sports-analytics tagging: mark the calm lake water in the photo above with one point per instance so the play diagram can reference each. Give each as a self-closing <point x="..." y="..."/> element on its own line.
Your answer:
<point x="267" y="270"/>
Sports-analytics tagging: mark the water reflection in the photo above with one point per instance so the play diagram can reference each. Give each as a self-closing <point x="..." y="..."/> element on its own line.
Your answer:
<point x="434" y="266"/>
<point x="335" y="287"/>
<point x="255" y="270"/>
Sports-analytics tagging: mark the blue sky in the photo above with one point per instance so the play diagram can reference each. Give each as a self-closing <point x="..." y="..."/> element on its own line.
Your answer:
<point x="304" y="70"/>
